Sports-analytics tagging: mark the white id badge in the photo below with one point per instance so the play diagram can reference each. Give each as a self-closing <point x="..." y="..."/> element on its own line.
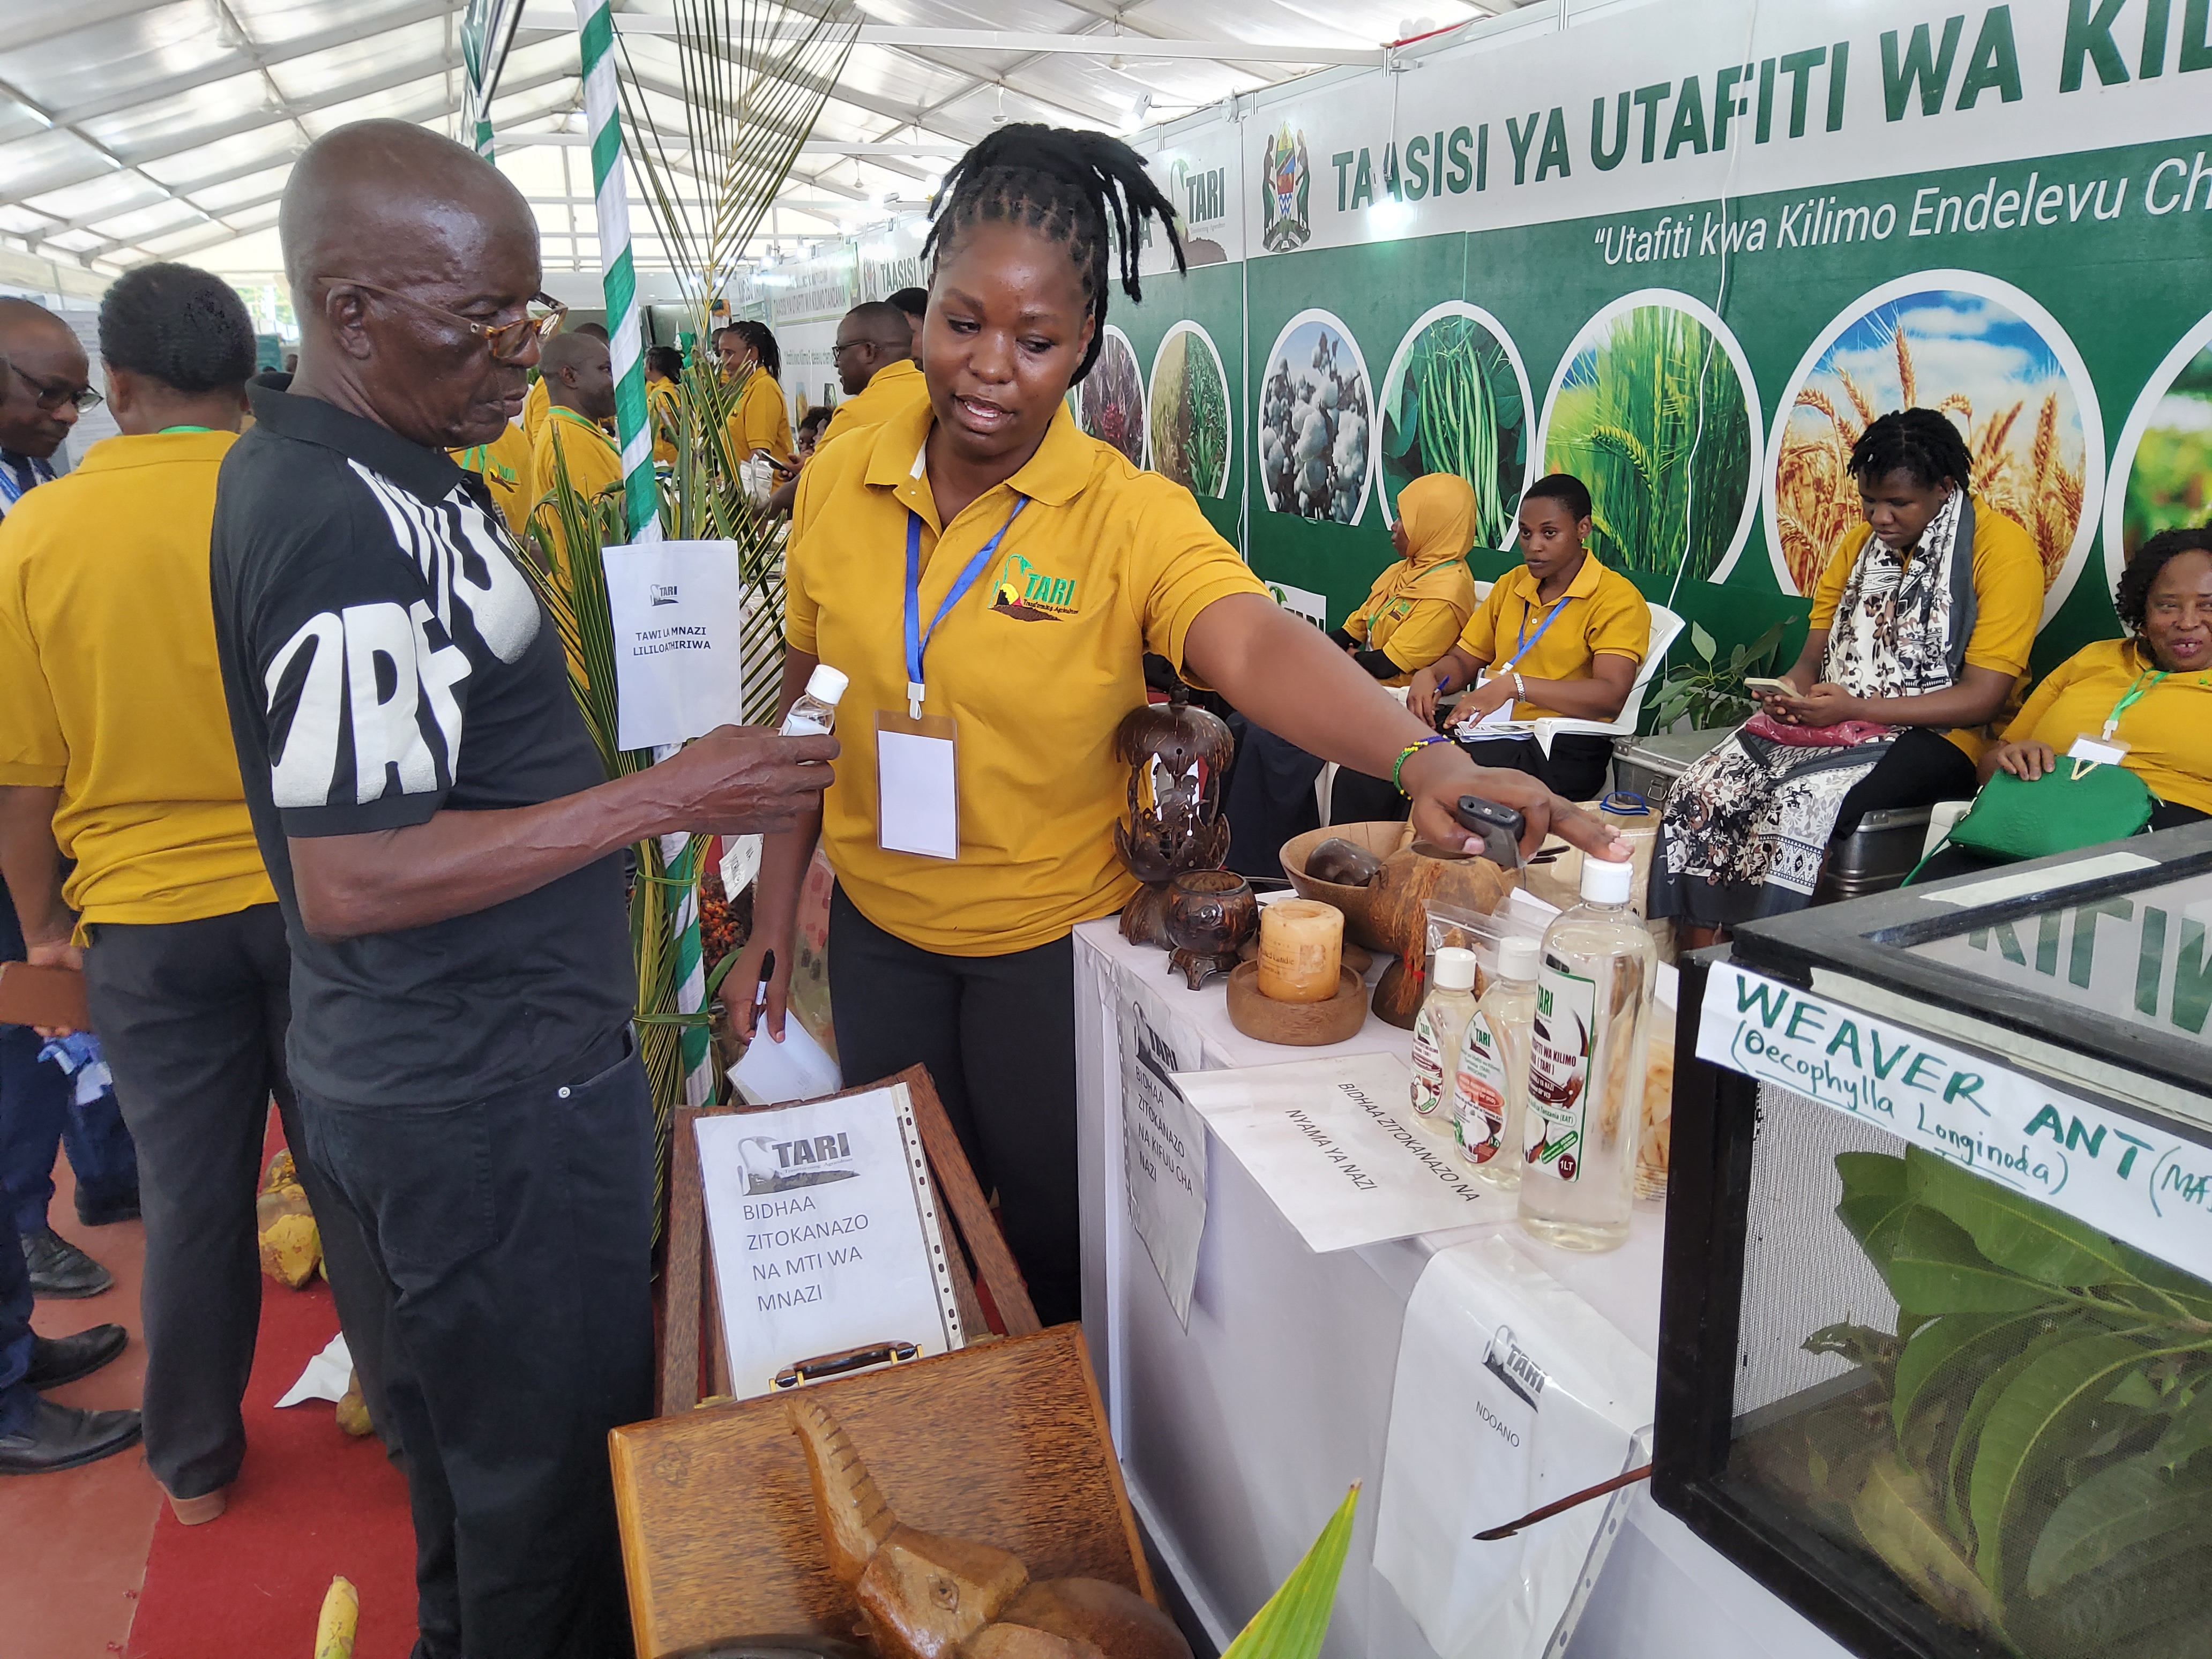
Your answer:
<point x="917" y="786"/>
<point x="2098" y="752"/>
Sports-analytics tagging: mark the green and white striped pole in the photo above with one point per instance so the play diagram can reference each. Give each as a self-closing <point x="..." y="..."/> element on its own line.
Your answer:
<point x="640" y="492"/>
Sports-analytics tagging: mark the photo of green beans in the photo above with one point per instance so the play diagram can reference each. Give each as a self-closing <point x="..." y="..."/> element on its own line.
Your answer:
<point x="1190" y="412"/>
<point x="1650" y="413"/>
<point x="1455" y="400"/>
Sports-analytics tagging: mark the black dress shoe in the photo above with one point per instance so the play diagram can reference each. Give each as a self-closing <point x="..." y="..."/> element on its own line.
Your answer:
<point x="59" y="1269"/>
<point x="62" y="1436"/>
<point x="107" y="1215"/>
<point x="59" y="1359"/>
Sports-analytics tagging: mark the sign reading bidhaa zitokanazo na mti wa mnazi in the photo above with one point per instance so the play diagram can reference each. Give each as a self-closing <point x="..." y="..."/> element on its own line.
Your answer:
<point x="824" y="1232"/>
<point x="2132" y="1179"/>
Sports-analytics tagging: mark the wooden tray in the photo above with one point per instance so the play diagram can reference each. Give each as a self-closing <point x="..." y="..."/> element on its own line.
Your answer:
<point x="1296" y="1025"/>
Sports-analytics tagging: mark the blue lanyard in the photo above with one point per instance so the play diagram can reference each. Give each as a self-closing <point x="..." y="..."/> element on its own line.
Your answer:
<point x="1523" y="645"/>
<point x="917" y="636"/>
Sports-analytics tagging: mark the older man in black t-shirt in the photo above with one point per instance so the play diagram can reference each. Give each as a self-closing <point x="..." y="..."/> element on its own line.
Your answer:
<point x="447" y="853"/>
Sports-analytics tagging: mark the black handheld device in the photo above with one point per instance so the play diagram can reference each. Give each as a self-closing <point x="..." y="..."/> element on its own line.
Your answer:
<point x="1500" y="827"/>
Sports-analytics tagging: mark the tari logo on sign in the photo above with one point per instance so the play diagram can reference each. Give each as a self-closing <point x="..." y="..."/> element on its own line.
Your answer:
<point x="1510" y="1363"/>
<point x="778" y="1166"/>
<point x="664" y="595"/>
<point x="1285" y="192"/>
<point x="1026" y="594"/>
<point x="1202" y="194"/>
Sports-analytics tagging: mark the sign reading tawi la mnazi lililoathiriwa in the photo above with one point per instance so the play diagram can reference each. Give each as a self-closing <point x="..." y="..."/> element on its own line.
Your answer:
<point x="2134" y="1180"/>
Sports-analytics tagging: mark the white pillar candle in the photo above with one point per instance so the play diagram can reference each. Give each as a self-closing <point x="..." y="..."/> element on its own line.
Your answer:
<point x="1301" y="951"/>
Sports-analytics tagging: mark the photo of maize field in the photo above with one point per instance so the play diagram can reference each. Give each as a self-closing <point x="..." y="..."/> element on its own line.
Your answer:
<point x="1651" y="412"/>
<point x="1315" y="410"/>
<point x="2170" y="484"/>
<point x="1190" y="412"/>
<point x="1109" y="405"/>
<point x="1979" y="361"/>
<point x="1455" y="400"/>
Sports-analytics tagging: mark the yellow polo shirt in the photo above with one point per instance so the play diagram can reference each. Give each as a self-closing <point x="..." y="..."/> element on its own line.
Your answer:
<point x="2008" y="577"/>
<point x="109" y="687"/>
<point x="594" y="466"/>
<point x="536" y="406"/>
<point x="504" y="465"/>
<point x="2164" y="729"/>
<point x="664" y="411"/>
<point x="1602" y="613"/>
<point x="1036" y="666"/>
<point x="893" y="387"/>
<point x="761" y="420"/>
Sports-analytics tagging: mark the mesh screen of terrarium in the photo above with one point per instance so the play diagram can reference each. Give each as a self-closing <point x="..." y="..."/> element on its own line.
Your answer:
<point x="2018" y="1443"/>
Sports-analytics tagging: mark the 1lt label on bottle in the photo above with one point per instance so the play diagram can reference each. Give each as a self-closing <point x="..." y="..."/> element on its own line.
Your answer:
<point x="1558" y="1071"/>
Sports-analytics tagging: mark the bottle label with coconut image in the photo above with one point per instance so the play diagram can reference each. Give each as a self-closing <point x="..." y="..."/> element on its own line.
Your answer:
<point x="1554" y="1131"/>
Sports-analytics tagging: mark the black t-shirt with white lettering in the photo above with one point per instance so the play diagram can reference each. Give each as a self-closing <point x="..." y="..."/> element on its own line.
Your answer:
<point x="385" y="659"/>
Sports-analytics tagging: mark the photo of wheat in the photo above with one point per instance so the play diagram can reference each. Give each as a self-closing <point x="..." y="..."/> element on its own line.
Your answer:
<point x="1109" y="405"/>
<point x="1654" y="408"/>
<point x="2169" y="479"/>
<point x="1190" y="412"/>
<point x="1316" y="411"/>
<point x="1456" y="400"/>
<point x="1984" y="355"/>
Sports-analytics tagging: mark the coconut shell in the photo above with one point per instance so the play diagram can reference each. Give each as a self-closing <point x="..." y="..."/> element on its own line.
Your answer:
<point x="1412" y="879"/>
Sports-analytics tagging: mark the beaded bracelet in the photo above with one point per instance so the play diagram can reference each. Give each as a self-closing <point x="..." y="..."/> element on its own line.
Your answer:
<point x="1408" y="753"/>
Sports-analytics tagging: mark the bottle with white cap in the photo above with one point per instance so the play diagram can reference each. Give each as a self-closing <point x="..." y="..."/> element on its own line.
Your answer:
<point x="815" y="714"/>
<point x="1438" y="1027"/>
<point x="1490" y="1088"/>
<point x="1586" y="1057"/>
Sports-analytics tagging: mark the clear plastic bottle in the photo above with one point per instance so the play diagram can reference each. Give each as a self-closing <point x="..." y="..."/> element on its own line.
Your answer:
<point x="1437" y="1029"/>
<point x="1490" y="1089"/>
<point x="1586" y="1068"/>
<point x="815" y="712"/>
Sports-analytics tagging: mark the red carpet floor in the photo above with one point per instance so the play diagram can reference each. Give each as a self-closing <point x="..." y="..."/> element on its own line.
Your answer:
<point x="308" y="1504"/>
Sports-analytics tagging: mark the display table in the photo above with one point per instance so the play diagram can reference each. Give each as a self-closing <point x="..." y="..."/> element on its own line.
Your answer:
<point x="1238" y="1436"/>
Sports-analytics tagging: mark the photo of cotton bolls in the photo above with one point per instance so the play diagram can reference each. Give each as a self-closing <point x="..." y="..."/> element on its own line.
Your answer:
<point x="1316" y="421"/>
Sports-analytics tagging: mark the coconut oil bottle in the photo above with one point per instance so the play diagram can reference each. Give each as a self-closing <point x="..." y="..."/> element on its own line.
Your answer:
<point x="1437" y="1030"/>
<point x="1490" y="1088"/>
<point x="1594" y="990"/>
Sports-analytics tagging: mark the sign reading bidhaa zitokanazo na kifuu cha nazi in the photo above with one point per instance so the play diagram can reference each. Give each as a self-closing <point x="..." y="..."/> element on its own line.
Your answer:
<point x="825" y="1234"/>
<point x="2130" y="1178"/>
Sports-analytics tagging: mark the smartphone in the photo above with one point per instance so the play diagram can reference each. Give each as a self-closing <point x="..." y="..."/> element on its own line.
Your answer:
<point x="1500" y="827"/>
<point x="1768" y="688"/>
<point x="49" y="997"/>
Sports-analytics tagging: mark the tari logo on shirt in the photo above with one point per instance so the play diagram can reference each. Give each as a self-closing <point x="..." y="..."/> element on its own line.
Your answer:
<point x="1026" y="594"/>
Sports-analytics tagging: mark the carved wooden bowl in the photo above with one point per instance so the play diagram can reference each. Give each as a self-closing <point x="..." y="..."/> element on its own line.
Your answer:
<point x="1298" y="1024"/>
<point x="1357" y="903"/>
<point x="1211" y="912"/>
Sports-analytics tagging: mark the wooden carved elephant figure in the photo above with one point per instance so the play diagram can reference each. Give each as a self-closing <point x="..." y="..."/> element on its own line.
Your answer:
<point x="923" y="1596"/>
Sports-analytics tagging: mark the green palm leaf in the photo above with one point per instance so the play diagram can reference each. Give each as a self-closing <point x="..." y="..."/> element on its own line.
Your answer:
<point x="1295" y="1621"/>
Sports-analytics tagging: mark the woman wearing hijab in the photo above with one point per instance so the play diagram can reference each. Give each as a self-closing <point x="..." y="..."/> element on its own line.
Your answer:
<point x="1409" y="618"/>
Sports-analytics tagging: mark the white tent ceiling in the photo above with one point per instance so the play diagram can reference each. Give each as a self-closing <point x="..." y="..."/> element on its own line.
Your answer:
<point x="137" y="129"/>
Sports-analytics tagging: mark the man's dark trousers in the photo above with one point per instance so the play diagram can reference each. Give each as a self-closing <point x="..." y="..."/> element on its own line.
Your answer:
<point x="516" y="1233"/>
<point x="17" y="1399"/>
<point x="192" y="1016"/>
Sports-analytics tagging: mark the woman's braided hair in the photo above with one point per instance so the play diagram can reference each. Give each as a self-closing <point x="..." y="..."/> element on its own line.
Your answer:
<point x="762" y="339"/>
<point x="1082" y="188"/>
<point x="1920" y="442"/>
<point x="179" y="325"/>
<point x="2131" y="598"/>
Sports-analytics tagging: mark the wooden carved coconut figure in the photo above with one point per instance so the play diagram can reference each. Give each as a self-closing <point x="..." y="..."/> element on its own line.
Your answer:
<point x="923" y="1596"/>
<point x="1177" y="756"/>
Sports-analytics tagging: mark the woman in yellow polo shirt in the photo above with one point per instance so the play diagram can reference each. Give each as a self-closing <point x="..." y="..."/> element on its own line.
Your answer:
<point x="989" y="577"/>
<point x="2152" y="688"/>
<point x="760" y="420"/>
<point x="1560" y="634"/>
<point x="1922" y="624"/>
<point x="664" y="400"/>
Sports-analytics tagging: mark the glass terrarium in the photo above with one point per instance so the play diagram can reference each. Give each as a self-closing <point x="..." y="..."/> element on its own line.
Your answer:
<point x="1936" y="1356"/>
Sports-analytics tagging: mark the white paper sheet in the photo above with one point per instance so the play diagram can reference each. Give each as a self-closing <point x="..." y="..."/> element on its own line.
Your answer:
<point x="326" y="1376"/>
<point x="1162" y="1140"/>
<point x="916" y="798"/>
<point x="674" y="609"/>
<point x="1335" y="1143"/>
<point x="771" y="1074"/>
<point x="824" y="1237"/>
<point x="1487" y="1422"/>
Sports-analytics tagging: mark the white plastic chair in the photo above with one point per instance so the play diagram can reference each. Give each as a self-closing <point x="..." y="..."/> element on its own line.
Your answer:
<point x="1941" y="816"/>
<point x="1665" y="625"/>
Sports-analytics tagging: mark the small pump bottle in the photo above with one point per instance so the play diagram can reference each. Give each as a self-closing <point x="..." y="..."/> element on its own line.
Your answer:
<point x="1438" y="1027"/>
<point x="1594" y="988"/>
<point x="815" y="714"/>
<point x="1490" y="1089"/>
